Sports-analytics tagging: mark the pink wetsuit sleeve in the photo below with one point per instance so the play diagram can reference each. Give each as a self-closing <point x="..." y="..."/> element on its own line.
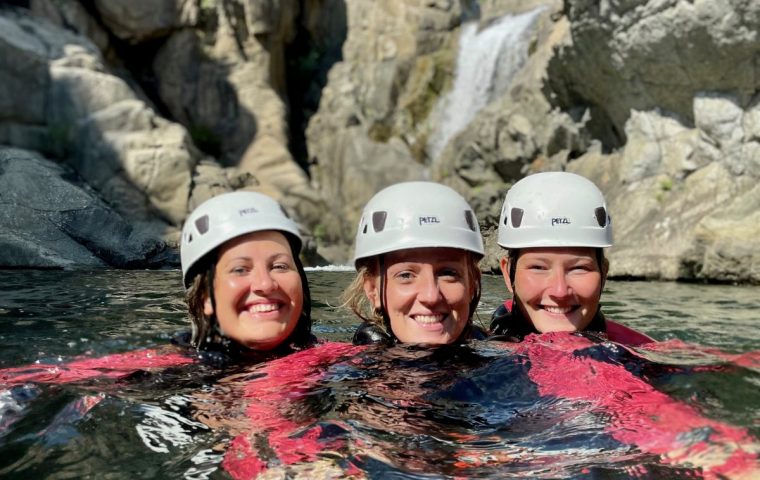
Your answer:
<point x="110" y="366"/>
<point x="639" y="414"/>
<point x="627" y="336"/>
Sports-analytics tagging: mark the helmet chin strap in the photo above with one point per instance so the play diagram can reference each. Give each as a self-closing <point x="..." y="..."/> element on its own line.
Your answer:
<point x="383" y="310"/>
<point x="211" y="296"/>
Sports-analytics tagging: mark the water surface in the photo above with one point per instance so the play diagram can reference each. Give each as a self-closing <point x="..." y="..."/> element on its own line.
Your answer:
<point x="481" y="411"/>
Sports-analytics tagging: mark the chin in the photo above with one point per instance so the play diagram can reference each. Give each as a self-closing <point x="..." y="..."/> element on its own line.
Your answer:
<point x="263" y="345"/>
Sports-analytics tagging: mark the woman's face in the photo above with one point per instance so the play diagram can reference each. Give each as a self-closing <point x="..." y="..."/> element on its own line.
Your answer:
<point x="427" y="294"/>
<point x="257" y="290"/>
<point x="557" y="288"/>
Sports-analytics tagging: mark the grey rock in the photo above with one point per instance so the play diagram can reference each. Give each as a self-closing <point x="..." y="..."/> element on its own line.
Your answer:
<point x="51" y="222"/>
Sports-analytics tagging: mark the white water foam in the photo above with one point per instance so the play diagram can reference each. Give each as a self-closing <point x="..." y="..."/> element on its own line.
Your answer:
<point x="331" y="268"/>
<point x="486" y="63"/>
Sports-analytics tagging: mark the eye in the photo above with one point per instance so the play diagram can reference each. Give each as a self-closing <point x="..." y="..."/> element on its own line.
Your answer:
<point x="583" y="267"/>
<point x="404" y="275"/>
<point x="238" y="270"/>
<point x="281" y="266"/>
<point x="449" y="272"/>
<point x="535" y="266"/>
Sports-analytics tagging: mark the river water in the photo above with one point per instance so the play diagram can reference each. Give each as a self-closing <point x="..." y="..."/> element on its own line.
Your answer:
<point x="558" y="407"/>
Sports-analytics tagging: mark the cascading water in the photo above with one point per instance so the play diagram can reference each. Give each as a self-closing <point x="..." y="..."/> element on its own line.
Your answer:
<point x="486" y="63"/>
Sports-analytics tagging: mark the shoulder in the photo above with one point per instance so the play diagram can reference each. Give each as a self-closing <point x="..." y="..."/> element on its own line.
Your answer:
<point x="508" y="326"/>
<point x="368" y="334"/>
<point x="627" y="336"/>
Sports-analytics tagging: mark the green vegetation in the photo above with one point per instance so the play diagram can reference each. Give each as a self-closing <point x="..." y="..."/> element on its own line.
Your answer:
<point x="666" y="185"/>
<point x="320" y="231"/>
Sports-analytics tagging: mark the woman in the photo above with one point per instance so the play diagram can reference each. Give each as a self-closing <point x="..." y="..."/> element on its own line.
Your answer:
<point x="246" y="287"/>
<point x="555" y="226"/>
<point x="246" y="293"/>
<point x="416" y="254"/>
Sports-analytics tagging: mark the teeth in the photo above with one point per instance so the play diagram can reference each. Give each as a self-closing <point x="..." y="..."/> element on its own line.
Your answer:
<point x="558" y="309"/>
<point x="263" y="307"/>
<point x="428" y="318"/>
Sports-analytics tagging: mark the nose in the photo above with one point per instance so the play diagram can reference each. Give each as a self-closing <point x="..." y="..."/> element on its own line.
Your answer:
<point x="429" y="292"/>
<point x="262" y="281"/>
<point x="559" y="286"/>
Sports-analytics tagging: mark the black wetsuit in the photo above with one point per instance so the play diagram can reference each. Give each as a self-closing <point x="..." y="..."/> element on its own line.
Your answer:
<point x="511" y="325"/>
<point x="369" y="334"/>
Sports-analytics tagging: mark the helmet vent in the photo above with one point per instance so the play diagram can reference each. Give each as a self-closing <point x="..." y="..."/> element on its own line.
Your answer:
<point x="378" y="220"/>
<point x="601" y="216"/>
<point x="284" y="212"/>
<point x="364" y="230"/>
<point x="202" y="224"/>
<point x="516" y="216"/>
<point x="470" y="219"/>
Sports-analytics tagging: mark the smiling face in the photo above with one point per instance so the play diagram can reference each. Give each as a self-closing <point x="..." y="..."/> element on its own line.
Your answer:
<point x="427" y="294"/>
<point x="257" y="290"/>
<point x="557" y="288"/>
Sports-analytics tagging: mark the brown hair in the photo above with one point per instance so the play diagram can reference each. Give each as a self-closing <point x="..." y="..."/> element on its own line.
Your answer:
<point x="205" y="329"/>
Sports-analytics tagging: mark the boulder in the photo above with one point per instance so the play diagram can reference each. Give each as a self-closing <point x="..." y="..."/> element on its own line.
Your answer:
<point x="51" y="221"/>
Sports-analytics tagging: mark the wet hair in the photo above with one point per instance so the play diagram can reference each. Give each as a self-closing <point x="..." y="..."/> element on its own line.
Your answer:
<point x="206" y="333"/>
<point x="375" y="319"/>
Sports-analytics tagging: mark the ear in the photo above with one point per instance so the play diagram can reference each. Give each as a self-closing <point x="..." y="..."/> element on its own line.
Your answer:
<point x="371" y="290"/>
<point x="504" y="265"/>
<point x="605" y="269"/>
<point x="208" y="308"/>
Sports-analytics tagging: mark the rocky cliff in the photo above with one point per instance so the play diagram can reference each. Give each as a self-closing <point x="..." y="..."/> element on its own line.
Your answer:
<point x="147" y="109"/>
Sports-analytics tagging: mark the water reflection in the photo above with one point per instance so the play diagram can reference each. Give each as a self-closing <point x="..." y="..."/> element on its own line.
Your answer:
<point x="481" y="411"/>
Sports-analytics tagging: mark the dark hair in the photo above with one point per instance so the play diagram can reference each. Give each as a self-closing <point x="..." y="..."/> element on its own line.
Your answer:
<point x="205" y="329"/>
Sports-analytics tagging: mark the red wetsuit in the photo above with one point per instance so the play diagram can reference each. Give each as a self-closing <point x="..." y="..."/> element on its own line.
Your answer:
<point x="111" y="366"/>
<point x="285" y="379"/>
<point x="638" y="414"/>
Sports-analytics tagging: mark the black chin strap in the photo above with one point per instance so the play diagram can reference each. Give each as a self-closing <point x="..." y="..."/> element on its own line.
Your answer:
<point x="386" y="318"/>
<point x="210" y="281"/>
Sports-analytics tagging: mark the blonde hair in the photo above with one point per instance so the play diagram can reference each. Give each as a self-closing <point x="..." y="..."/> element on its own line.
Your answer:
<point x="355" y="299"/>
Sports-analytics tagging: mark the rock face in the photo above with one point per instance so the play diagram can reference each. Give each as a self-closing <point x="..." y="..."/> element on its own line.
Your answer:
<point x="673" y="86"/>
<point x="49" y="222"/>
<point x="320" y="104"/>
<point x="139" y="162"/>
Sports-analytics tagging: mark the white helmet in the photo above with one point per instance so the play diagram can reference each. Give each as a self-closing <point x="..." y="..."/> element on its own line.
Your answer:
<point x="416" y="215"/>
<point x="227" y="216"/>
<point x="554" y="209"/>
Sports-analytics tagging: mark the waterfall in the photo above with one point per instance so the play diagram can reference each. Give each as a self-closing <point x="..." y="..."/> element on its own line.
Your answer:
<point x="486" y="62"/>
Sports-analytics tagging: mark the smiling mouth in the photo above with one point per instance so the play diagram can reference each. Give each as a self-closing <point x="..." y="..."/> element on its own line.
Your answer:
<point x="429" y="319"/>
<point x="558" y="310"/>
<point x="264" y="307"/>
